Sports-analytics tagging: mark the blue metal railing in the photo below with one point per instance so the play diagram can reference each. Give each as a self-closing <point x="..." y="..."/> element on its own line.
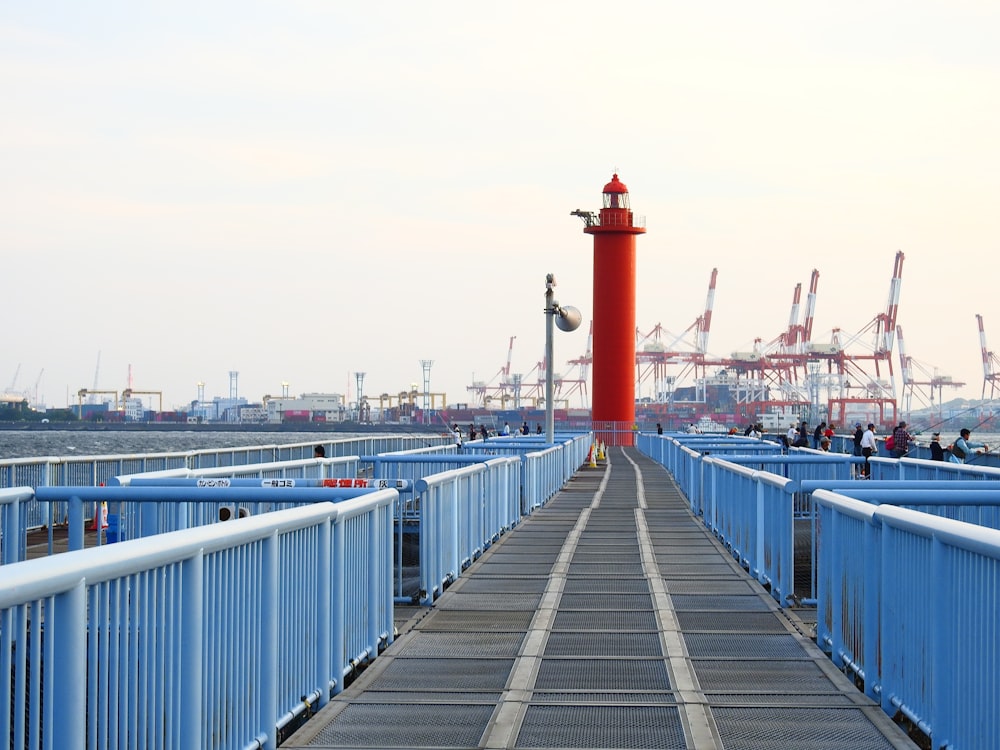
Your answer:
<point x="906" y="595"/>
<point x="295" y="460"/>
<point x="195" y="638"/>
<point x="462" y="512"/>
<point x="909" y="602"/>
<point x="220" y="635"/>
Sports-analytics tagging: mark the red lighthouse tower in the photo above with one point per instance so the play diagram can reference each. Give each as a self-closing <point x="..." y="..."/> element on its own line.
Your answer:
<point x="614" y="231"/>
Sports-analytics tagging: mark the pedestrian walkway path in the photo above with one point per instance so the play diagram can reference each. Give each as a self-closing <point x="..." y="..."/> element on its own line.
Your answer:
<point x="610" y="618"/>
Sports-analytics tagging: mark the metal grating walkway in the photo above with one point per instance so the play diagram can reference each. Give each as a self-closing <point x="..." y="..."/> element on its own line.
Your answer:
<point x="610" y="618"/>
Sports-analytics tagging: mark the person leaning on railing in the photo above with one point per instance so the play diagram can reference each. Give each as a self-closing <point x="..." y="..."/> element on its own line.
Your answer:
<point x="937" y="452"/>
<point x="962" y="449"/>
<point x="901" y="440"/>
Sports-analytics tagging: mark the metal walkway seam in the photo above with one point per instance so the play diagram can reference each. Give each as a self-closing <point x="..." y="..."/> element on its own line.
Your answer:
<point x="502" y="730"/>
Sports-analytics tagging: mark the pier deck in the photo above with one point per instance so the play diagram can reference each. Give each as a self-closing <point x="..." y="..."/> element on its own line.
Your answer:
<point x="610" y="618"/>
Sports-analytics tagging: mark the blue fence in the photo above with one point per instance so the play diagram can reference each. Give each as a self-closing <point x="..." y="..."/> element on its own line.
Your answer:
<point x="195" y="639"/>
<point x="222" y="635"/>
<point x="462" y="512"/>
<point x="73" y="471"/>
<point x="909" y="602"/>
<point x="904" y="567"/>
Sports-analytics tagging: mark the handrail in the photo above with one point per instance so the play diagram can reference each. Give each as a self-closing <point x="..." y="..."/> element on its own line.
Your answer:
<point x="225" y="599"/>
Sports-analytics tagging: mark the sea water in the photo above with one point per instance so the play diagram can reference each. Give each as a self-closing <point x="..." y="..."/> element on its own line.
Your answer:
<point x="68" y="443"/>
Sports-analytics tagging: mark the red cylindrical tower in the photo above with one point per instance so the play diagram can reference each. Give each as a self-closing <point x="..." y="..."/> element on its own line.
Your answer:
<point x="613" y="370"/>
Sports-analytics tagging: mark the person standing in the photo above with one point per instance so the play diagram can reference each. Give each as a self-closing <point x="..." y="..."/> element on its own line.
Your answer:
<point x="818" y="434"/>
<point x="538" y="428"/>
<point x="858" y="434"/>
<point x="659" y="428"/>
<point x="791" y="436"/>
<point x="506" y="429"/>
<point x="868" y="449"/>
<point x="803" y="439"/>
<point x="901" y="440"/>
<point x="458" y="435"/>
<point x="964" y="448"/>
<point x="524" y="428"/>
<point x="937" y="452"/>
<point x="472" y="431"/>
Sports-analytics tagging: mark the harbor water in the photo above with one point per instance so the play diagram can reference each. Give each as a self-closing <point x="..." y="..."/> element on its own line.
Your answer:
<point x="63" y="443"/>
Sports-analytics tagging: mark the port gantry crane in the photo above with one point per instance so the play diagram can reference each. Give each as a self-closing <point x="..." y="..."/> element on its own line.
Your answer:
<point x="484" y="392"/>
<point x="653" y="355"/>
<point x="130" y="392"/>
<point x="767" y="377"/>
<point x="582" y="365"/>
<point x="991" y="363"/>
<point x="913" y="387"/>
<point x="84" y="393"/>
<point x="878" y="393"/>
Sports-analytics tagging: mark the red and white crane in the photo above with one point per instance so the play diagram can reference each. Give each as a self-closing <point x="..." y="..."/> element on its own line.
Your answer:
<point x="654" y="353"/>
<point x="484" y="392"/>
<point x="877" y="400"/>
<point x="991" y="363"/>
<point x="705" y="321"/>
<point x="578" y="384"/>
<point x="914" y="386"/>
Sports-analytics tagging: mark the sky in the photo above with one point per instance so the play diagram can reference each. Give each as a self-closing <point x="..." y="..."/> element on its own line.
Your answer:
<point x="298" y="191"/>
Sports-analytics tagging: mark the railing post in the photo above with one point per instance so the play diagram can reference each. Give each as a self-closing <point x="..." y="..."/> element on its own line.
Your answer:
<point x="269" y="634"/>
<point x="324" y="627"/>
<point x="192" y="658"/>
<point x="338" y="596"/>
<point x="76" y="523"/>
<point x="872" y="625"/>
<point x="757" y="568"/>
<point x="374" y="570"/>
<point x="66" y="637"/>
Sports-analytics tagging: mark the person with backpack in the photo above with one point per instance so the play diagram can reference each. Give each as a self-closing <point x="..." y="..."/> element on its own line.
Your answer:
<point x="962" y="449"/>
<point x="901" y="440"/>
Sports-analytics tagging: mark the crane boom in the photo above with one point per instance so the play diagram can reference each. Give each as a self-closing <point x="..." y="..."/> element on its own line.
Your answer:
<point x="810" y="309"/>
<point x="991" y="364"/>
<point x="706" y="321"/>
<point x="885" y="327"/>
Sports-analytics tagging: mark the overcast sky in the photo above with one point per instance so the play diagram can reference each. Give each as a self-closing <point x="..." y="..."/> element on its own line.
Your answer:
<point x="299" y="191"/>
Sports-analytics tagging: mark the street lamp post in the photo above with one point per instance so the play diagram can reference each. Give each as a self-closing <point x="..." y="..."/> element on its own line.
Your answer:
<point x="568" y="319"/>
